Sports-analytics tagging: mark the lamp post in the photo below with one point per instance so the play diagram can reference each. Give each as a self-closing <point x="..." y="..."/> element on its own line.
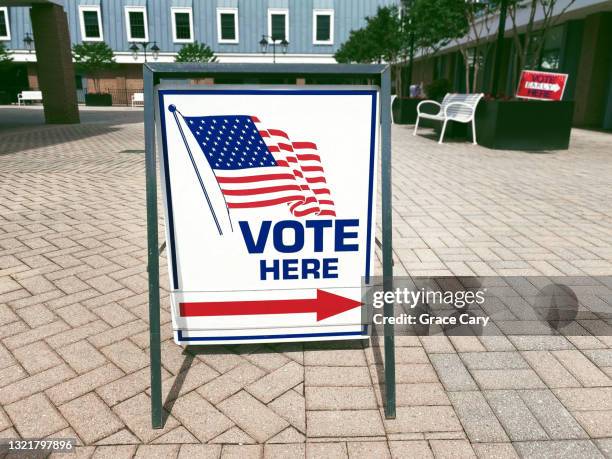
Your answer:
<point x="263" y="44"/>
<point x="154" y="50"/>
<point x="27" y="41"/>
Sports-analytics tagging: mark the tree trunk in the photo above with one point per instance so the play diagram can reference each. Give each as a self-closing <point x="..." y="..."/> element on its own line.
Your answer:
<point x="528" y="34"/>
<point x="399" y="87"/>
<point x="466" y="62"/>
<point x="475" y="77"/>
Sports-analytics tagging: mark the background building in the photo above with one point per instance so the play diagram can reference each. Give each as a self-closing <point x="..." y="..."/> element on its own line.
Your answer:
<point x="579" y="44"/>
<point x="314" y="30"/>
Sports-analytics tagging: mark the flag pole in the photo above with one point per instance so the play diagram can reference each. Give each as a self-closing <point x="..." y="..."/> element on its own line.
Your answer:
<point x="173" y="110"/>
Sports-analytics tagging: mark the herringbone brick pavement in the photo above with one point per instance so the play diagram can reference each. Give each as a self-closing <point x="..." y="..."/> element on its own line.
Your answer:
<point x="73" y="314"/>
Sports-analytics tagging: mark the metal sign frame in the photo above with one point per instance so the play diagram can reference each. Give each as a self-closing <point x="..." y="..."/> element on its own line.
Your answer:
<point x="153" y="74"/>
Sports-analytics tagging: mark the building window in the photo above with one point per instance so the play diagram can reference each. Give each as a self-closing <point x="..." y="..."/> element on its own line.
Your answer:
<point x="91" y="23"/>
<point x="323" y="27"/>
<point x="136" y="23"/>
<point x="551" y="52"/>
<point x="227" y="25"/>
<point x="278" y="24"/>
<point x="182" y="25"/>
<point x="5" y="30"/>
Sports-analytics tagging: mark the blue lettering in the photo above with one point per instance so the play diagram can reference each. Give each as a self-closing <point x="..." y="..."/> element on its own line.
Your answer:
<point x="294" y="268"/>
<point x="318" y="226"/>
<point x="311" y="266"/>
<point x="289" y="235"/>
<point x="330" y="268"/>
<point x="290" y="269"/>
<point x="252" y="246"/>
<point x="298" y="239"/>
<point x="264" y="269"/>
<point x="342" y="235"/>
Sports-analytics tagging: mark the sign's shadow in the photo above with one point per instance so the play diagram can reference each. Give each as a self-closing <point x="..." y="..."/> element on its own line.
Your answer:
<point x="191" y="352"/>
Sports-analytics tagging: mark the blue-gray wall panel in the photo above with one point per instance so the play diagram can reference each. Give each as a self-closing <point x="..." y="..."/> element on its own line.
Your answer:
<point x="252" y="22"/>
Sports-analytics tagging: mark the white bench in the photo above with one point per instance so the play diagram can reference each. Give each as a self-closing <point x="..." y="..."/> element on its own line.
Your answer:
<point x="138" y="97"/>
<point x="29" y="95"/>
<point x="454" y="107"/>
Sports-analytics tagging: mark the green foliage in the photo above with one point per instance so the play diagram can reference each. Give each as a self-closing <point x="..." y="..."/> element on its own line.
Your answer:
<point x="382" y="39"/>
<point x="437" y="89"/>
<point x="92" y="59"/>
<point x="195" y="52"/>
<point x="388" y="36"/>
<point x="5" y="59"/>
<point x="437" y="22"/>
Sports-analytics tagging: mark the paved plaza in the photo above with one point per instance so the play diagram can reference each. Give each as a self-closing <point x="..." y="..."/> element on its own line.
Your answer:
<point x="73" y="312"/>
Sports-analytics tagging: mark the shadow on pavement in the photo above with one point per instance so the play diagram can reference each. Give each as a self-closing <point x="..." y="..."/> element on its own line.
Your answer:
<point x="190" y="352"/>
<point x="175" y="390"/>
<point x="25" y="129"/>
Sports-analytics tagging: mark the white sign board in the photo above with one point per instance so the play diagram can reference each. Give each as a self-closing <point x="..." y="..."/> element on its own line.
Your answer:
<point x="269" y="201"/>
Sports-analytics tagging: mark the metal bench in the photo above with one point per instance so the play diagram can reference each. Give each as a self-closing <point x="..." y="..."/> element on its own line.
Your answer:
<point x="454" y="107"/>
<point x="29" y="95"/>
<point x="138" y="97"/>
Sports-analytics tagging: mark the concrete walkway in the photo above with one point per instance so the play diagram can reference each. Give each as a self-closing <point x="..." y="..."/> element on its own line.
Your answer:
<point x="73" y="313"/>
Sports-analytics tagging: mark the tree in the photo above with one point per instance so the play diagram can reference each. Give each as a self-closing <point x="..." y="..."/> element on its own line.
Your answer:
<point x="475" y="45"/>
<point x="467" y="23"/>
<point x="380" y="40"/>
<point x="383" y="39"/>
<point x="195" y="52"/>
<point x="92" y="59"/>
<point x="5" y="59"/>
<point x="437" y="22"/>
<point x="529" y="47"/>
<point x="358" y="48"/>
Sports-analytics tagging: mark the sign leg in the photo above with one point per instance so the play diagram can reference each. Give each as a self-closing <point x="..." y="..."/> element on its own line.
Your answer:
<point x="153" y="253"/>
<point x="385" y="113"/>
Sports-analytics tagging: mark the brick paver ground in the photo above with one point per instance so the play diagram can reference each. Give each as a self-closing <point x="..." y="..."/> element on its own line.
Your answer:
<point x="73" y="312"/>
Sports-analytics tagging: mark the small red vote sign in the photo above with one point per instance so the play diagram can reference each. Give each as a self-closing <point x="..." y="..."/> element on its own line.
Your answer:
<point x="541" y="85"/>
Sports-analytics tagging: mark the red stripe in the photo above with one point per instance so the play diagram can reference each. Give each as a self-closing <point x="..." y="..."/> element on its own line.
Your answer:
<point x="309" y="158"/>
<point x="266" y="203"/>
<point x="292" y="159"/>
<point x="316" y="180"/>
<point x="280" y="162"/>
<point x="312" y="146"/>
<point x="321" y="191"/>
<point x="255" y="119"/>
<point x="302" y="202"/>
<point x="266" y="189"/>
<point x="279" y="133"/>
<point x="328" y="212"/>
<point x="301" y="213"/>
<point x="254" y="178"/>
<point x="284" y="146"/>
<point x="264" y="133"/>
<point x="273" y="149"/>
<point x="326" y="201"/>
<point x="312" y="168"/>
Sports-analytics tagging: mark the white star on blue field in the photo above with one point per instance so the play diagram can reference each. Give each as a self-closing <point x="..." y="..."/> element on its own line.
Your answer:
<point x="231" y="142"/>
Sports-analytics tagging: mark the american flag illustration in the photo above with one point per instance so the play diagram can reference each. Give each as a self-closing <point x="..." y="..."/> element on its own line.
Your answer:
<point x="259" y="167"/>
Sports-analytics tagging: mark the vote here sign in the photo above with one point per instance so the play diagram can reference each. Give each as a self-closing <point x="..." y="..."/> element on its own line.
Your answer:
<point x="541" y="85"/>
<point x="270" y="201"/>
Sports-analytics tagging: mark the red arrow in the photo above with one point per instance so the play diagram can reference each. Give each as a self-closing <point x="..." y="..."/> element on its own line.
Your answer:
<point x="325" y="305"/>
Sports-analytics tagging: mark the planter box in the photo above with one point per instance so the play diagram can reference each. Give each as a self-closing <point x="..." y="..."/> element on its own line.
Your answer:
<point x="404" y="110"/>
<point x="530" y="125"/>
<point x="99" y="100"/>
